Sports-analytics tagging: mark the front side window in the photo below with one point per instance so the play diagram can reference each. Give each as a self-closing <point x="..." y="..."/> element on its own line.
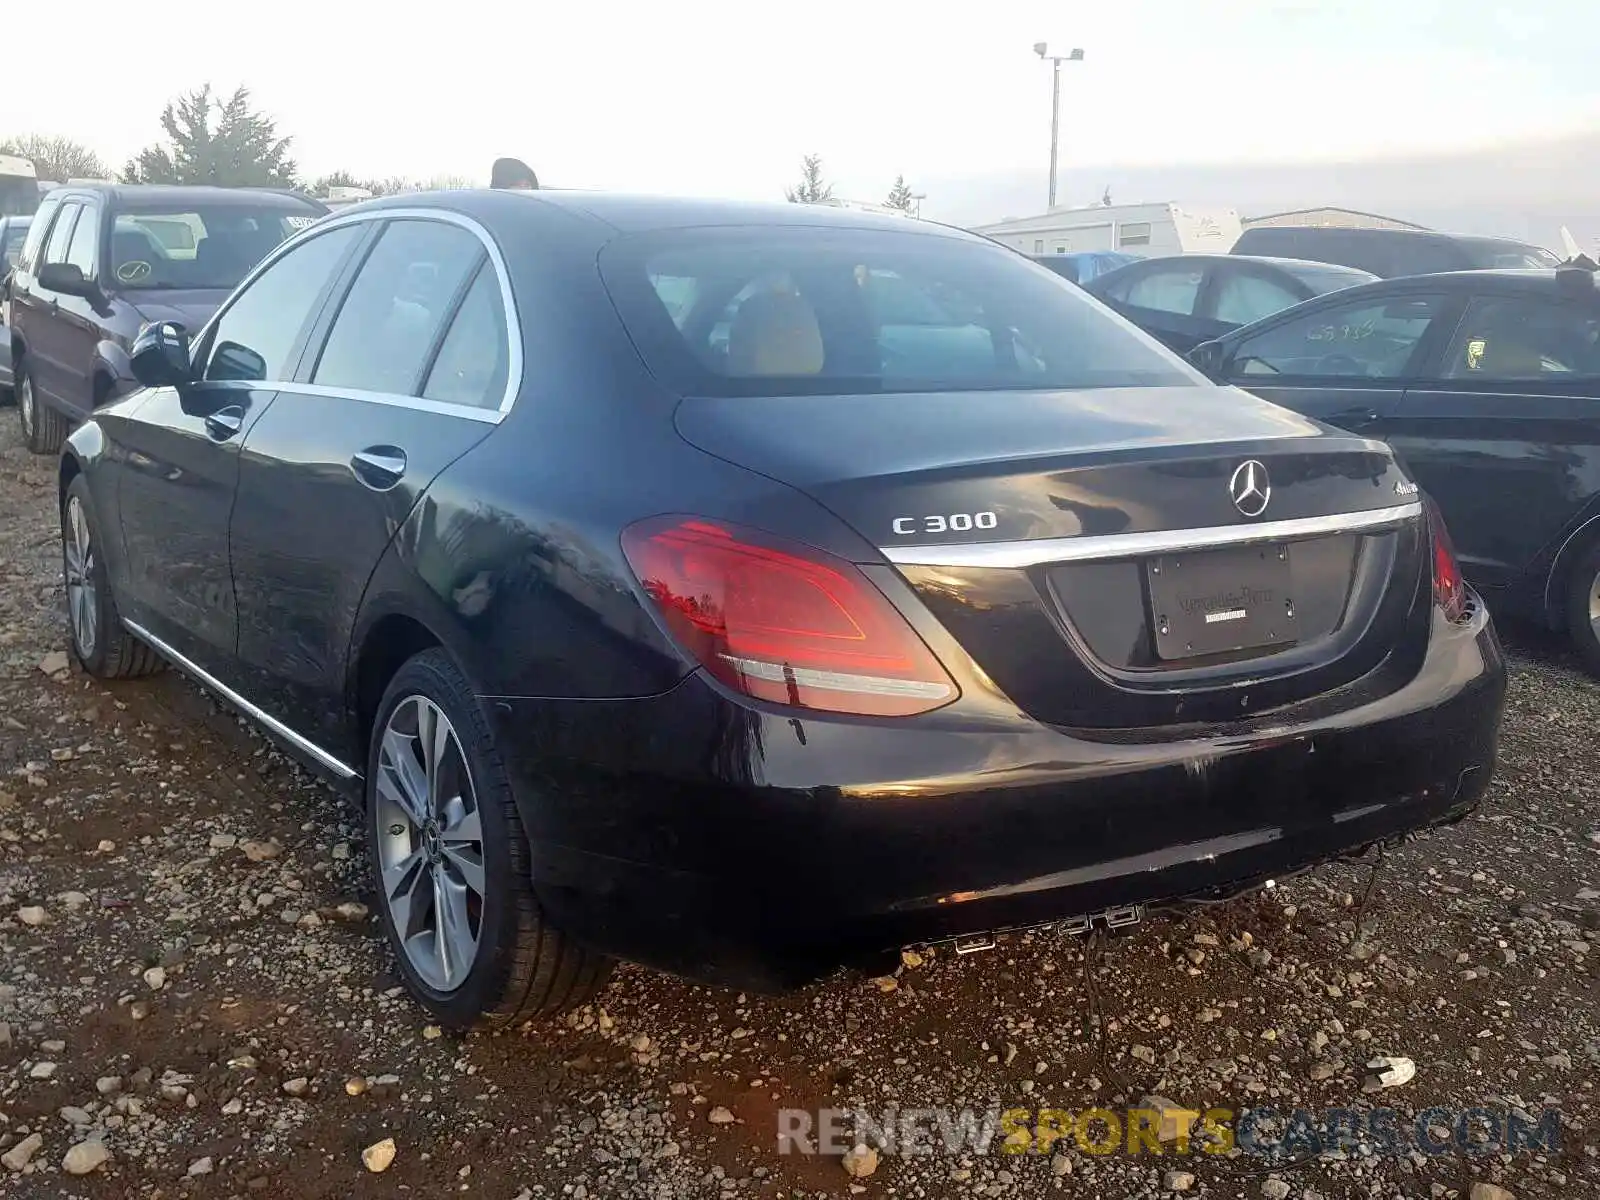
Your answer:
<point x="1370" y="339"/>
<point x="795" y="311"/>
<point x="205" y="246"/>
<point x="398" y="304"/>
<point x="255" y="335"/>
<point x="81" y="251"/>
<point x="1525" y="338"/>
<point x="1243" y="298"/>
<point x="1167" y="289"/>
<point x="475" y="355"/>
<point x="61" y="234"/>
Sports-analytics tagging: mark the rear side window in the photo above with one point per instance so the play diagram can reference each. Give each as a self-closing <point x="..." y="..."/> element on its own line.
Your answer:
<point x="474" y="359"/>
<point x="1514" y="337"/>
<point x="61" y="234"/>
<point x="1173" y="290"/>
<point x="36" y="234"/>
<point x="255" y="335"/>
<point x="1367" y="339"/>
<point x="397" y="306"/>
<point x="783" y="310"/>
<point x="1243" y="298"/>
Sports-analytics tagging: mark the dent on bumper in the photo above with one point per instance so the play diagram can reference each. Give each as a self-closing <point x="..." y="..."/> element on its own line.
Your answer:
<point x="757" y="850"/>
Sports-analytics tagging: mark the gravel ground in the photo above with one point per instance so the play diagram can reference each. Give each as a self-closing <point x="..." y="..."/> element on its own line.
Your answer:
<point x="195" y="1001"/>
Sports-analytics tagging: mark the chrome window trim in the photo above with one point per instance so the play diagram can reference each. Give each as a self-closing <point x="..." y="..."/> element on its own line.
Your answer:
<point x="1132" y="545"/>
<point x="303" y="744"/>
<point x="489" y="416"/>
<point x="513" y="323"/>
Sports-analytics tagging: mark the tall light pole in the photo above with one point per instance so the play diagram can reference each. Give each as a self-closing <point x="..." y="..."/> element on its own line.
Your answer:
<point x="1042" y="49"/>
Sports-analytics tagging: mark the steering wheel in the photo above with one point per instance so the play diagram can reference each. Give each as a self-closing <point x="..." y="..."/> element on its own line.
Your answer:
<point x="134" y="271"/>
<point x="1340" y="364"/>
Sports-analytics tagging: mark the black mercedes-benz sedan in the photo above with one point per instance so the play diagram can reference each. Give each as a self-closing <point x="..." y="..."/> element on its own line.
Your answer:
<point x="751" y="590"/>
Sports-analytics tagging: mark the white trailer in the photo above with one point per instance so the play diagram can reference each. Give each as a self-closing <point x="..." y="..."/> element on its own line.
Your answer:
<point x="1151" y="230"/>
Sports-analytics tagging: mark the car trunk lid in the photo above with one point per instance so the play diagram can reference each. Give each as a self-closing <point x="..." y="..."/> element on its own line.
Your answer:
<point x="1113" y="557"/>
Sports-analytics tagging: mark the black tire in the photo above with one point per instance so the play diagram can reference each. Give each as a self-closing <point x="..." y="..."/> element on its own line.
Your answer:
<point x="113" y="652"/>
<point x="43" y="428"/>
<point x="1583" y="606"/>
<point x="521" y="967"/>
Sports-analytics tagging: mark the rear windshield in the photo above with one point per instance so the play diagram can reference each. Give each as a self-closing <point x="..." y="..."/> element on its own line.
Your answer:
<point x="1509" y="256"/>
<point x="810" y="311"/>
<point x="204" y="247"/>
<point x="1324" y="279"/>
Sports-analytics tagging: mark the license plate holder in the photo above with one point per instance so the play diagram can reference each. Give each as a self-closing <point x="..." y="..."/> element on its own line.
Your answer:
<point x="1221" y="601"/>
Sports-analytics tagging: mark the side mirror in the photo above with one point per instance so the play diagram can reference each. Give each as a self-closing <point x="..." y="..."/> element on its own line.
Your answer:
<point x="160" y="355"/>
<point x="66" y="278"/>
<point x="1208" y="358"/>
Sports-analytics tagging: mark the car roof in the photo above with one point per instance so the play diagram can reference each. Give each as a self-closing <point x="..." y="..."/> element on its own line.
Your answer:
<point x="628" y="213"/>
<point x="1288" y="264"/>
<point x="185" y="194"/>
<point x="1410" y="235"/>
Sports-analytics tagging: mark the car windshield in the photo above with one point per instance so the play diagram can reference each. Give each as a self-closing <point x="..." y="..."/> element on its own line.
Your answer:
<point x="199" y="247"/>
<point x="1324" y="279"/>
<point x="781" y="310"/>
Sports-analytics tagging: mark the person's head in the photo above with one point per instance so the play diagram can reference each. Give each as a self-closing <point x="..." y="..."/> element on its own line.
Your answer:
<point x="513" y="174"/>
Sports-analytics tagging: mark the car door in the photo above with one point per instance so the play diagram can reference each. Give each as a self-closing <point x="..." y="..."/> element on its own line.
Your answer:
<point x="1346" y="362"/>
<point x="36" y="311"/>
<point x="179" y="449"/>
<point x="1162" y="297"/>
<point x="413" y="371"/>
<point x="76" y="328"/>
<point x="1507" y="438"/>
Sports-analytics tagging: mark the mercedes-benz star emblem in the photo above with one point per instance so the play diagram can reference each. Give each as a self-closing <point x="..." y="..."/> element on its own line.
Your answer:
<point x="1250" y="488"/>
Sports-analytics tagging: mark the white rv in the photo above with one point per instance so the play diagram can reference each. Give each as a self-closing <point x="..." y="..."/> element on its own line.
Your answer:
<point x="1150" y="230"/>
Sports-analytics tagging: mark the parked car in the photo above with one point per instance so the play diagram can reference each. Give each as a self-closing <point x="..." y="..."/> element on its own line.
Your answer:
<point x="102" y="260"/>
<point x="1187" y="299"/>
<point x="756" y="635"/>
<point x="1080" y="268"/>
<point x="13" y="231"/>
<point x="1487" y="385"/>
<point x="1389" y="253"/>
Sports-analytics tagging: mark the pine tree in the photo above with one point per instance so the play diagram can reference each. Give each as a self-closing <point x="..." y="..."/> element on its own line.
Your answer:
<point x="900" y="196"/>
<point x="240" y="149"/>
<point x="812" y="189"/>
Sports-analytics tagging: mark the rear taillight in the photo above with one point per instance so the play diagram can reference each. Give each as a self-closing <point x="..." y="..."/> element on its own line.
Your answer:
<point x="1449" y="591"/>
<point x="783" y="622"/>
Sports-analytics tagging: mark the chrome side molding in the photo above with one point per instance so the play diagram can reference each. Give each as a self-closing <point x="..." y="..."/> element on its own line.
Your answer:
<point x="1037" y="551"/>
<point x="267" y="721"/>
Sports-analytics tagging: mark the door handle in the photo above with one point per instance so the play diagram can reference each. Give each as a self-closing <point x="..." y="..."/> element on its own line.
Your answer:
<point x="1355" y="416"/>
<point x="379" y="467"/>
<point x="225" y="422"/>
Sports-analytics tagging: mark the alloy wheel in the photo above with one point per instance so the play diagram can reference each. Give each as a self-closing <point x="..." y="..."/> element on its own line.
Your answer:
<point x="25" y="404"/>
<point x="429" y="843"/>
<point x="82" y="600"/>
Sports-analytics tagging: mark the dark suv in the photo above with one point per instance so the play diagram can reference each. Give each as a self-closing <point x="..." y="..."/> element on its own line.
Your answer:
<point x="1390" y="253"/>
<point x="101" y="261"/>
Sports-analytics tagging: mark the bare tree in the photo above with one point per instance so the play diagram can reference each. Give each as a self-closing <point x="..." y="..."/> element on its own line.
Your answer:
<point x="57" y="158"/>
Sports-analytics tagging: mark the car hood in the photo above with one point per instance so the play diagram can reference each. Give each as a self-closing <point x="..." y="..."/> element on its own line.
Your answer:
<point x="189" y="307"/>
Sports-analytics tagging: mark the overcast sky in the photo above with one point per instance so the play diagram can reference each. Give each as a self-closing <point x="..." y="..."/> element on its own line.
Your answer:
<point x="703" y="96"/>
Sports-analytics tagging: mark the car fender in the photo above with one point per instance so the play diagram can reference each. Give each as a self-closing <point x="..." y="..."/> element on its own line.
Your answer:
<point x="111" y="362"/>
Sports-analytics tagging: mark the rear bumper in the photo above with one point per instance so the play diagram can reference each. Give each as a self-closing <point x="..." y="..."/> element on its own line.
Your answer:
<point x="725" y="843"/>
